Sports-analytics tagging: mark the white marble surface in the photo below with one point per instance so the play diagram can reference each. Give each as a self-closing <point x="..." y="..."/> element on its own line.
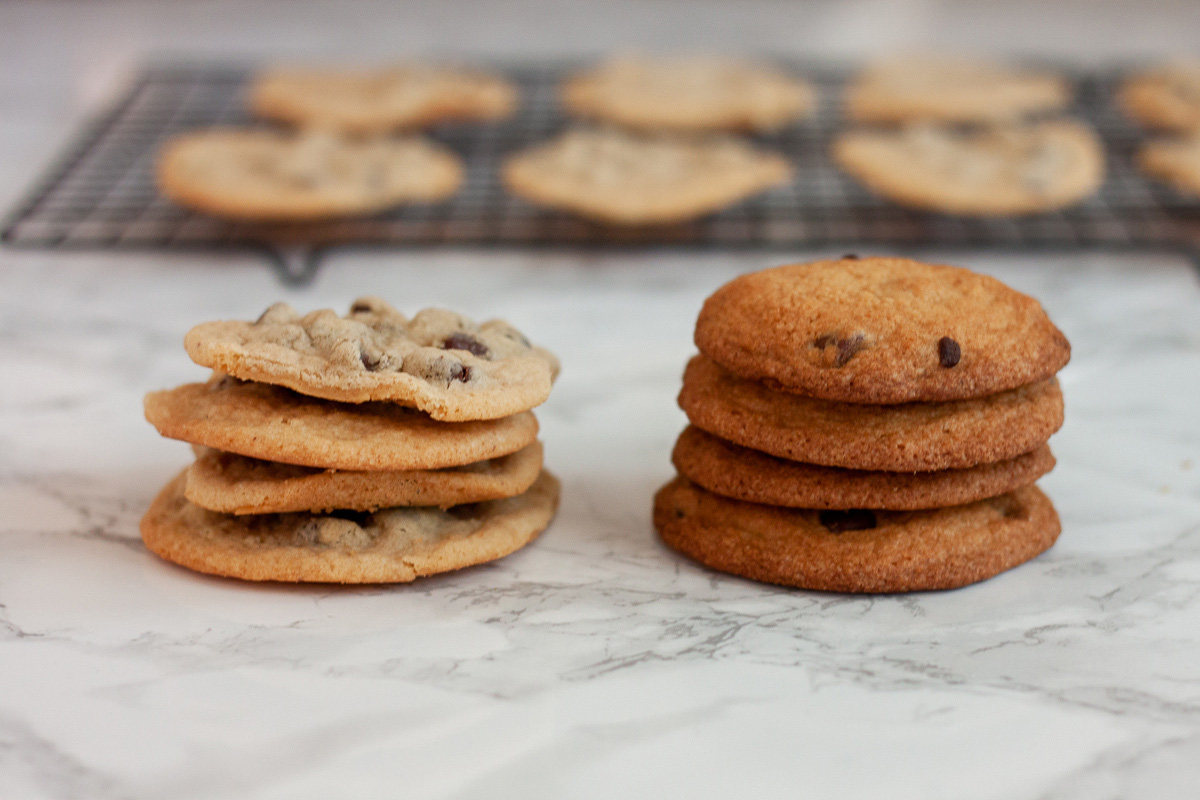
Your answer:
<point x="595" y="663"/>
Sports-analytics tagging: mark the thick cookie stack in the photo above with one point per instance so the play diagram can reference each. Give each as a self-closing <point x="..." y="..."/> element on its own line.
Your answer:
<point x="368" y="448"/>
<point x="866" y="425"/>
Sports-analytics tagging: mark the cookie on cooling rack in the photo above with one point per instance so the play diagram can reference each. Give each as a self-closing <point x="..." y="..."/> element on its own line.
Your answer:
<point x="950" y="90"/>
<point x="373" y="101"/>
<point x="1167" y="97"/>
<point x="270" y="176"/>
<point x="990" y="171"/>
<point x="631" y="178"/>
<point x="688" y="94"/>
<point x="1175" y="161"/>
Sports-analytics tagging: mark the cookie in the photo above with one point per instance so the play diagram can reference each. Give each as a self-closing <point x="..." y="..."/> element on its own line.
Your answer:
<point x="260" y="175"/>
<point x="276" y="424"/>
<point x="375" y="101"/>
<point x="235" y="484"/>
<point x="633" y="179"/>
<point x="950" y="90"/>
<point x="913" y="437"/>
<point x="440" y="362"/>
<point x="880" y="330"/>
<point x="1175" y="161"/>
<point x="856" y="551"/>
<point x="1166" y="98"/>
<point x="1014" y="169"/>
<point x="733" y="471"/>
<point x="688" y="94"/>
<point x="390" y="546"/>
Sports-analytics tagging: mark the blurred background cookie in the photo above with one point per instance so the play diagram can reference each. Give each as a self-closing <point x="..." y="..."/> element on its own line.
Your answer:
<point x="1166" y="97"/>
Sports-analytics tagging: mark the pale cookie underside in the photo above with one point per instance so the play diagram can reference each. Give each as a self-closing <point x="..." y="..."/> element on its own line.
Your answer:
<point x="911" y="437"/>
<point x="728" y="469"/>
<point x="276" y="424"/>
<point x="688" y="94"/>
<point x="1176" y="162"/>
<point x="391" y="546"/>
<point x="990" y="172"/>
<point x="905" y="551"/>
<point x="635" y="179"/>
<point x="234" y="484"/>
<point x="440" y="362"/>
<point x="950" y="90"/>
<point x="374" y="101"/>
<point x="1167" y="98"/>
<point x="871" y="330"/>
<point x="263" y="175"/>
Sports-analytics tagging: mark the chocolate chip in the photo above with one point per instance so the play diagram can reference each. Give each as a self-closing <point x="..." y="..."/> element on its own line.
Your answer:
<point x="465" y="341"/>
<point x="850" y="257"/>
<point x="360" y="307"/>
<point x="372" y="363"/>
<point x="856" y="519"/>
<point x="459" y="372"/>
<point x="948" y="351"/>
<point x="359" y="518"/>
<point x="845" y="348"/>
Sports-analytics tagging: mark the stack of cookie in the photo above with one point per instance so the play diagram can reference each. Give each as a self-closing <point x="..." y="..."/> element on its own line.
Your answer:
<point x="368" y="448"/>
<point x="866" y="425"/>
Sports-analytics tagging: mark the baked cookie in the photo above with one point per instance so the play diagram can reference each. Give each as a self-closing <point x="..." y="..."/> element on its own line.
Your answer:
<point x="1167" y="98"/>
<point x="728" y="469"/>
<point x="234" y="484"/>
<point x="688" y="94"/>
<point x="913" y="437"/>
<point x="880" y="330"/>
<point x="440" y="362"/>
<point x="950" y="90"/>
<point x="858" y="550"/>
<point x="374" y="101"/>
<point x="632" y="179"/>
<point x="1014" y="169"/>
<point x="261" y="175"/>
<point x="389" y="546"/>
<point x="1175" y="161"/>
<point x="276" y="424"/>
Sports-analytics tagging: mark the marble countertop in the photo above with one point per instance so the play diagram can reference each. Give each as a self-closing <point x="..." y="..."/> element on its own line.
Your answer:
<point x="596" y="662"/>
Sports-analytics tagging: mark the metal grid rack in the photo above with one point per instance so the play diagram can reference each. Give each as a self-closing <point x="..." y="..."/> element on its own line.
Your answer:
<point x="101" y="193"/>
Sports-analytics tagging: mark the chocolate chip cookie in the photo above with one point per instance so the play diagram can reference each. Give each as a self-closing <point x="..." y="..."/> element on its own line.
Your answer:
<point x="1166" y="97"/>
<point x="880" y="330"/>
<point x="439" y="361"/>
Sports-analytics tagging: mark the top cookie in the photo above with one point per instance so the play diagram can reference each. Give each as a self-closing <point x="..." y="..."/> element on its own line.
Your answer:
<point x="1167" y="97"/>
<point x="688" y="94"/>
<point x="367" y="101"/>
<point x="440" y="362"/>
<point x="879" y="330"/>
<point x="943" y="89"/>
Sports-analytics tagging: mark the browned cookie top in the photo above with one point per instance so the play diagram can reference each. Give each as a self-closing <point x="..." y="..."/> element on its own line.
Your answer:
<point x="880" y="330"/>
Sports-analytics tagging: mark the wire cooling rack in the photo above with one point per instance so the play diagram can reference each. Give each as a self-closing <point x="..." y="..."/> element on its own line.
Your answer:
<point x="101" y="194"/>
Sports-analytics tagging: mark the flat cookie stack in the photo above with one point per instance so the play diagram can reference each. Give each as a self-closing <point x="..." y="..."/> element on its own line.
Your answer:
<point x="866" y="425"/>
<point x="369" y="448"/>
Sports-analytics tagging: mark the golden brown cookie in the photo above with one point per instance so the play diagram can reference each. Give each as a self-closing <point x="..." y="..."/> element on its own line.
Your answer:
<point x="389" y="546"/>
<point x="728" y="469"/>
<point x="950" y="90"/>
<point x="913" y="437"/>
<point x="637" y="179"/>
<point x="688" y="94"/>
<point x="1174" y="161"/>
<point x="440" y="362"/>
<point x="277" y="424"/>
<point x="262" y="175"/>
<point x="880" y="330"/>
<point x="374" y="101"/>
<point x="234" y="484"/>
<point x="1014" y="169"/>
<point x="1167" y="97"/>
<point x="856" y="551"/>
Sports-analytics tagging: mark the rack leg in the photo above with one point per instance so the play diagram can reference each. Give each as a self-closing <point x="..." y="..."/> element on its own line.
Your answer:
<point x="296" y="266"/>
